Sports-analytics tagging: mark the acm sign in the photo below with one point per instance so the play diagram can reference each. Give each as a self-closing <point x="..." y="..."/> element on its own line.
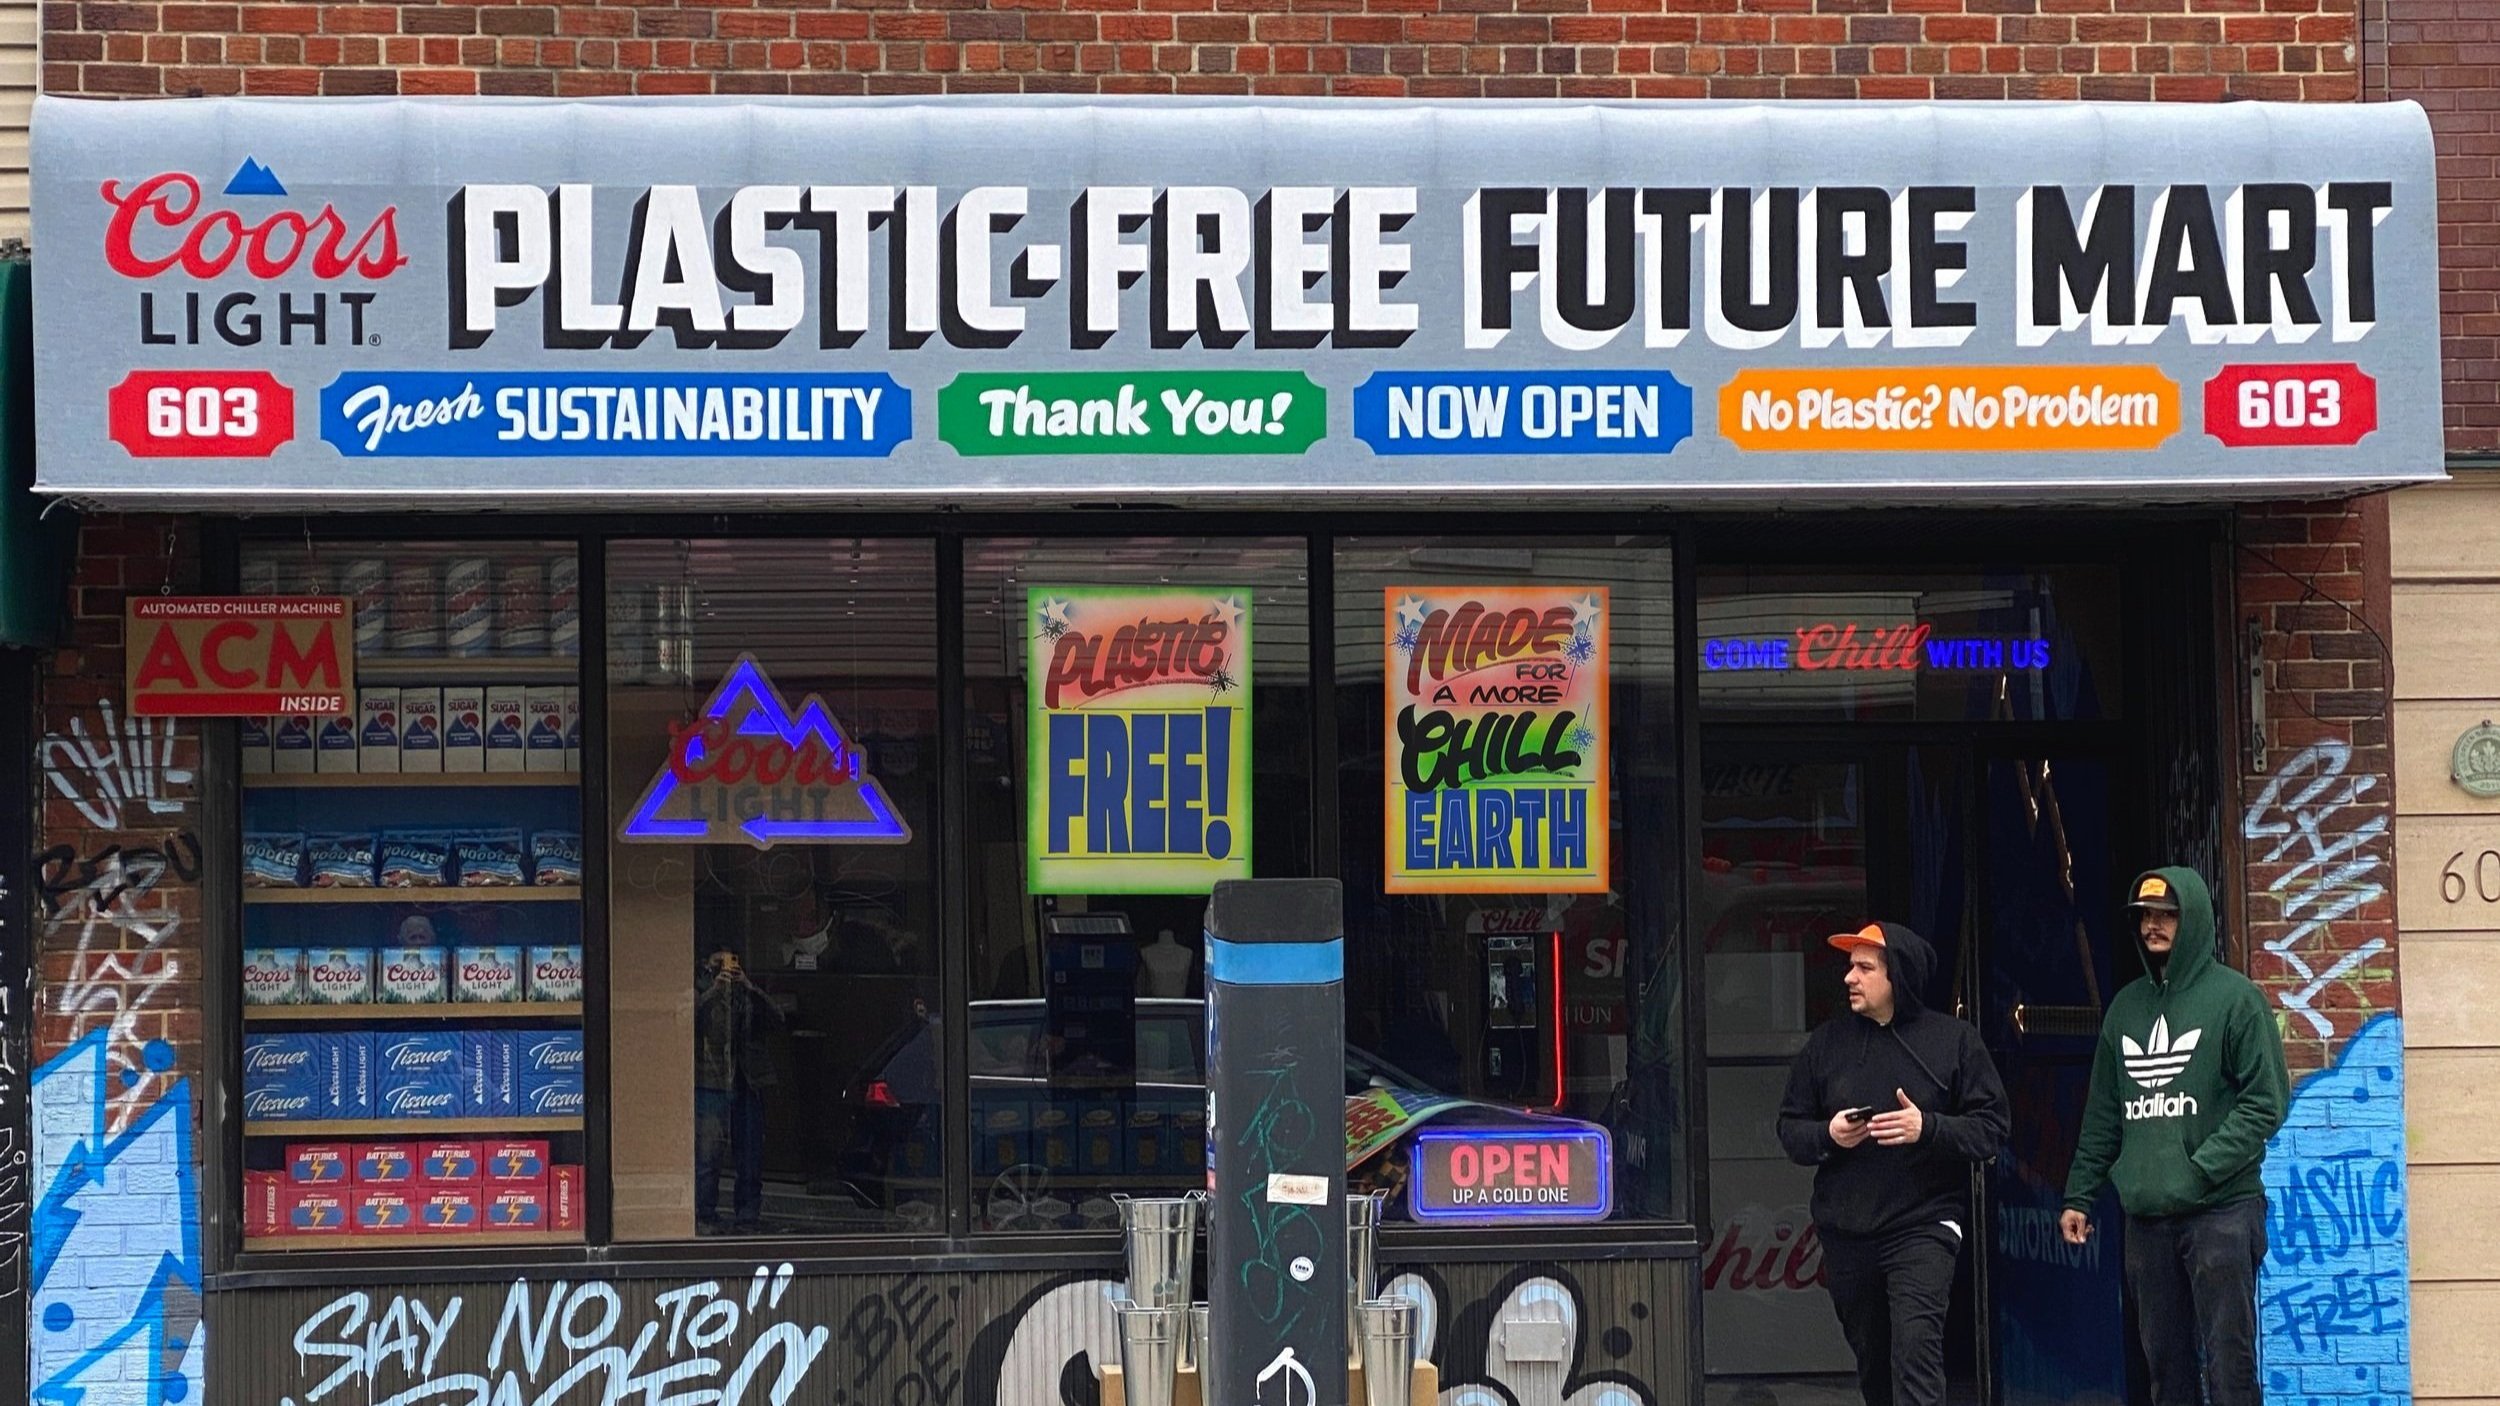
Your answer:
<point x="239" y="656"/>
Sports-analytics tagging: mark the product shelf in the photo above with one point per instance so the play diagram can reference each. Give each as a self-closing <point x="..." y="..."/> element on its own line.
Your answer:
<point x="415" y="1240"/>
<point x="409" y="1127"/>
<point x="392" y="780"/>
<point x="553" y="893"/>
<point x="435" y="669"/>
<point x="371" y="1011"/>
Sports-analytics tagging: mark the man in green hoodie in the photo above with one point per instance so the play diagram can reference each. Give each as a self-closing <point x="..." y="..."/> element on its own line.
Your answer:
<point x="2187" y="1085"/>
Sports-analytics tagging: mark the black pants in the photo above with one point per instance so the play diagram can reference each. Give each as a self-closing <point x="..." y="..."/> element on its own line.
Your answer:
<point x="1891" y="1292"/>
<point x="2195" y="1283"/>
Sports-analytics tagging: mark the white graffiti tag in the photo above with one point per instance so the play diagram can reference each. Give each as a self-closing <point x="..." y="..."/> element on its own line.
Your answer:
<point x="2333" y="875"/>
<point x="696" y="1345"/>
<point x="116" y="766"/>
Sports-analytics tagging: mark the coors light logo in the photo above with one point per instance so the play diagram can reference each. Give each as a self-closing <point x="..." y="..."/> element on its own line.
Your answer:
<point x="165" y="222"/>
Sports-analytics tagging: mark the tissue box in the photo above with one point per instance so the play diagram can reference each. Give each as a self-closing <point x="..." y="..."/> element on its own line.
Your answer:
<point x="273" y="976"/>
<point x="351" y="1079"/>
<point x="378" y="730"/>
<point x="318" y="1163"/>
<point x="422" y="1075"/>
<point x="447" y="1163"/>
<point x="284" y="1078"/>
<point x="492" y="1088"/>
<point x="548" y="1073"/>
<point x="421" y="729"/>
<point x="386" y="1164"/>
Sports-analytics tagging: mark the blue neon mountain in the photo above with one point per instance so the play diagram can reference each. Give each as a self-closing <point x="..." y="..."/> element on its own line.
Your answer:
<point x="252" y="178"/>
<point x="747" y="696"/>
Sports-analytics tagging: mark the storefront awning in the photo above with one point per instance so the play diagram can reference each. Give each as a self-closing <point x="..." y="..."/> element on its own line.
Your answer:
<point x="283" y="305"/>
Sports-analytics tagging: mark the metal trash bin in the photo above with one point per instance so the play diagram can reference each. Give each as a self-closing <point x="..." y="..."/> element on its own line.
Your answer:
<point x="1161" y="1236"/>
<point x="1150" y="1350"/>
<point x="1362" y="1257"/>
<point x="1386" y="1342"/>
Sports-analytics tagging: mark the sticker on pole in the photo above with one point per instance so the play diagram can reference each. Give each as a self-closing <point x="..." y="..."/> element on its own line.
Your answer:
<point x="1287" y="1189"/>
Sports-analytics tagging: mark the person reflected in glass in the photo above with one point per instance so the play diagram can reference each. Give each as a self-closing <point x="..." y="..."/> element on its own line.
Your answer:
<point x="733" y="1066"/>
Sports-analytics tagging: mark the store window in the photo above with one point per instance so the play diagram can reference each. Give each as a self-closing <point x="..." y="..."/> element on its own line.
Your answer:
<point x="2013" y="645"/>
<point x="412" y="924"/>
<point x="774" y="944"/>
<point x="1138" y="718"/>
<point x="1511" y="847"/>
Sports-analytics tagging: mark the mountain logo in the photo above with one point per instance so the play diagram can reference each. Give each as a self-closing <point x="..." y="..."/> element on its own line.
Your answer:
<point x="253" y="178"/>
<point x="751" y="768"/>
<point x="2160" y="1058"/>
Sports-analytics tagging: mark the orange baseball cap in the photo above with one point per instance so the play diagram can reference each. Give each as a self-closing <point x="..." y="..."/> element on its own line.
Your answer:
<point x="1872" y="935"/>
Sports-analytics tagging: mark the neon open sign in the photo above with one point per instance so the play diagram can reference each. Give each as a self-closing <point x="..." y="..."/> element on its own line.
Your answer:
<point x="1852" y="647"/>
<point x="1487" y="1176"/>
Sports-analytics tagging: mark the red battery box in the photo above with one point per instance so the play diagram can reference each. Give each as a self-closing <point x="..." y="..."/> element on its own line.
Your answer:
<point x="318" y="1163"/>
<point x="448" y="1208"/>
<point x="386" y="1164"/>
<point x="264" y="1208"/>
<point x="385" y="1210"/>
<point x="317" y="1210"/>
<point x="512" y="1160"/>
<point x="514" y="1206"/>
<point x="564" y="1187"/>
<point x="447" y="1163"/>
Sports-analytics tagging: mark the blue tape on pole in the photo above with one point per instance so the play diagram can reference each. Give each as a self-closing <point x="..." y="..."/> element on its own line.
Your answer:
<point x="1276" y="963"/>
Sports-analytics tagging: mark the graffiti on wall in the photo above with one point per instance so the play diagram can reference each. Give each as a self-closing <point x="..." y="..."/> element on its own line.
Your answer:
<point x="14" y="1187"/>
<point x="2302" y="816"/>
<point x="110" y="920"/>
<point x="2332" y="1296"/>
<point x="116" y="769"/>
<point x="115" y="1305"/>
<point x="702" y="1341"/>
<point x="1045" y="1353"/>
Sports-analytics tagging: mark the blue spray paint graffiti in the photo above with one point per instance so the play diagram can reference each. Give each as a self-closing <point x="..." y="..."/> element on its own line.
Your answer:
<point x="119" y="1218"/>
<point x="2333" y="1298"/>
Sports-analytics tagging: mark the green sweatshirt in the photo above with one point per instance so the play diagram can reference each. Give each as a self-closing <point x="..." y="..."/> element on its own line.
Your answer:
<point x="2188" y="1082"/>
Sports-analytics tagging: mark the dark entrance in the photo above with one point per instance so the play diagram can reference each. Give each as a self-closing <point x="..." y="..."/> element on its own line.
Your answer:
<point x="1960" y="750"/>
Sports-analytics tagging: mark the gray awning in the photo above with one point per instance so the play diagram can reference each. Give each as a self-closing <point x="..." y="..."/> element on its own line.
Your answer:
<point x="284" y="305"/>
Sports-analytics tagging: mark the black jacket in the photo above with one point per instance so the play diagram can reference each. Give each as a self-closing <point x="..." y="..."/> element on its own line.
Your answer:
<point x="1851" y="1061"/>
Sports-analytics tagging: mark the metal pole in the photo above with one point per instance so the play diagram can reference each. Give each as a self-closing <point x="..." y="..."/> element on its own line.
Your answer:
<point x="1276" y="1143"/>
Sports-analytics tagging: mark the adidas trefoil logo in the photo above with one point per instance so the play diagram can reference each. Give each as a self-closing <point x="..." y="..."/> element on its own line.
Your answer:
<point x="2159" y="1059"/>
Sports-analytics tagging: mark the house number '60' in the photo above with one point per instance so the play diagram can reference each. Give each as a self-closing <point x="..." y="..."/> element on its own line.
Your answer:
<point x="2452" y="885"/>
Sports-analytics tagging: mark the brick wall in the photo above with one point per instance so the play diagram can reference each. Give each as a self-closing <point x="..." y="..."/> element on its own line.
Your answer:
<point x="2334" y="1303"/>
<point x="117" y="1001"/>
<point x="2193" y="50"/>
<point x="2445" y="55"/>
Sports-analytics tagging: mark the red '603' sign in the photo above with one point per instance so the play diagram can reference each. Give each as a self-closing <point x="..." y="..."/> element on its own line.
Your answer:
<point x="2299" y="403"/>
<point x="201" y="414"/>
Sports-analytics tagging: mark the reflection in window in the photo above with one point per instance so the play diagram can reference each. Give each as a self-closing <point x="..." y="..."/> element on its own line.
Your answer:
<point x="1088" y="1028"/>
<point x="1999" y="646"/>
<point x="774" y="953"/>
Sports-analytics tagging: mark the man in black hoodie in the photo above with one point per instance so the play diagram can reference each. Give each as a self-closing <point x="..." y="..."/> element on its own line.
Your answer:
<point x="1891" y="1104"/>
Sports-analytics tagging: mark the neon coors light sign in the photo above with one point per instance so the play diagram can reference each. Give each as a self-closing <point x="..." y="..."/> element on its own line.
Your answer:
<point x="747" y="769"/>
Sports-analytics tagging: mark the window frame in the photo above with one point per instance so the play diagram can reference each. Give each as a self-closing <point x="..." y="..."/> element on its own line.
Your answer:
<point x="959" y="1247"/>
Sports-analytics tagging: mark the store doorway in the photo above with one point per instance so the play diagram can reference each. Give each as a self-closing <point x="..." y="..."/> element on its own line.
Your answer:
<point x="2004" y="854"/>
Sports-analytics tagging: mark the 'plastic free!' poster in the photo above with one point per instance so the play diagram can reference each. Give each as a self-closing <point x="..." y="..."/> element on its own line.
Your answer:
<point x="1496" y="767"/>
<point x="1138" y="738"/>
